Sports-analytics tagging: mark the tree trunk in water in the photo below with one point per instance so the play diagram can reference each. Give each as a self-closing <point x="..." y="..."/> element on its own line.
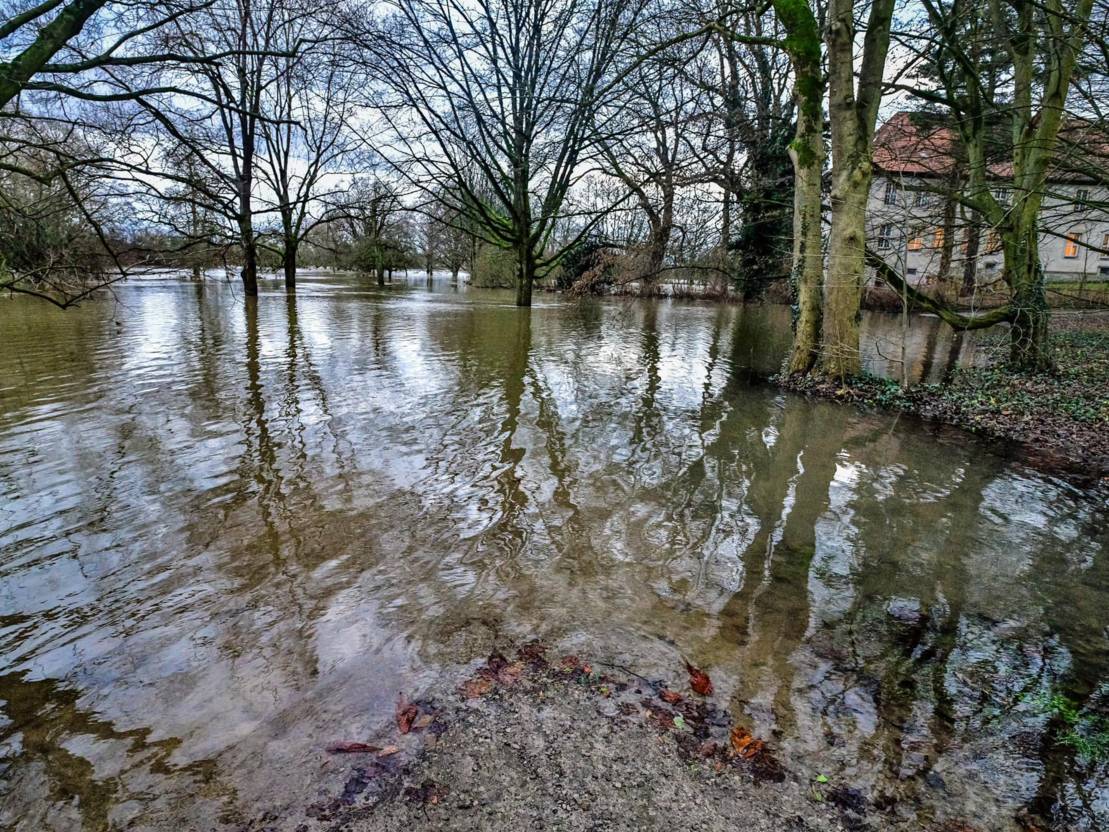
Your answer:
<point x="380" y="271"/>
<point x="656" y="256"/>
<point x="250" y="266"/>
<point x="807" y="154"/>
<point x="853" y="112"/>
<point x="290" y="265"/>
<point x="525" y="274"/>
<point x="807" y="275"/>
<point x="1029" y="347"/>
<point x="198" y="274"/>
<point x="846" y="261"/>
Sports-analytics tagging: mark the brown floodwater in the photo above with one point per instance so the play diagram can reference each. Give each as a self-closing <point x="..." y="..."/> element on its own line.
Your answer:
<point x="231" y="533"/>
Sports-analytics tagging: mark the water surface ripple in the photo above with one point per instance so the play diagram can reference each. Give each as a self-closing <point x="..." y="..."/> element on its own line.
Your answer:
<point x="231" y="533"/>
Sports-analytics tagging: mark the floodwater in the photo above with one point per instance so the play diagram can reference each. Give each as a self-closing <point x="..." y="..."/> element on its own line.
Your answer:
<point x="231" y="533"/>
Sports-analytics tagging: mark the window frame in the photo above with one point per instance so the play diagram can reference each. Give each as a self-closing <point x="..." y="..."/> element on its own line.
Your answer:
<point x="1072" y="241"/>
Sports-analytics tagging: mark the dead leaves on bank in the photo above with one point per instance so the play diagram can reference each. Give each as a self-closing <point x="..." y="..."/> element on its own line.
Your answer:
<point x="407" y="714"/>
<point x="702" y="730"/>
<point x="699" y="680"/>
<point x="745" y="744"/>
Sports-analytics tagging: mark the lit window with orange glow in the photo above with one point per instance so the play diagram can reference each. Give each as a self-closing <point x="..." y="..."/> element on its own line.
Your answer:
<point x="1070" y="250"/>
<point x="938" y="240"/>
<point x="916" y="243"/>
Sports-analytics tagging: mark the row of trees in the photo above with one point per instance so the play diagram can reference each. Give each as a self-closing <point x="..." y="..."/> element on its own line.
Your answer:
<point x="543" y="127"/>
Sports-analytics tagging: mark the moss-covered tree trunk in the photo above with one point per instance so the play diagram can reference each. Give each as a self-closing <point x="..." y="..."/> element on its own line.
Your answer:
<point x="853" y="112"/>
<point x="803" y="45"/>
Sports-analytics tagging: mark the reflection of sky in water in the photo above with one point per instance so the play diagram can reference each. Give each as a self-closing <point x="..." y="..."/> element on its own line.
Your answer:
<point x="227" y="532"/>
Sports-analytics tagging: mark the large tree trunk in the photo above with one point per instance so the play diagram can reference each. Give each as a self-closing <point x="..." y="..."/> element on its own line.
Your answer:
<point x="807" y="275"/>
<point x="853" y="114"/>
<point x="656" y="254"/>
<point x="525" y="273"/>
<point x="1029" y="346"/>
<point x="250" y="259"/>
<point x="290" y="264"/>
<point x="846" y="260"/>
<point x="807" y="154"/>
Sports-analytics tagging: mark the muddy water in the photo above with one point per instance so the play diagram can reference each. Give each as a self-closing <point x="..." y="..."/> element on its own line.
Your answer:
<point x="231" y="533"/>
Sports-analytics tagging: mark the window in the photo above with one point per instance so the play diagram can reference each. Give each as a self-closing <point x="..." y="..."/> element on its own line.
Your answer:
<point x="1081" y="198"/>
<point x="916" y="243"/>
<point x="1105" y="247"/>
<point x="990" y="266"/>
<point x="911" y="272"/>
<point x="937" y="240"/>
<point x="921" y="199"/>
<point x="1002" y="196"/>
<point x="1070" y="250"/>
<point x="993" y="241"/>
<point x="885" y="236"/>
<point x="891" y="194"/>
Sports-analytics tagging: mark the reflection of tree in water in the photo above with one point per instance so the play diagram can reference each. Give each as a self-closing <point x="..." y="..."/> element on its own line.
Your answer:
<point x="44" y="717"/>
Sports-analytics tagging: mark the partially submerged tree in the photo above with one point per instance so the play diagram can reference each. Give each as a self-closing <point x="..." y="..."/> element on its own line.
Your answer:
<point x="492" y="107"/>
<point x="853" y="113"/>
<point x="307" y="107"/>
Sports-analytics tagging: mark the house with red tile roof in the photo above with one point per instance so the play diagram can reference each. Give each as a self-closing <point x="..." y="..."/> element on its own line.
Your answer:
<point x="916" y="221"/>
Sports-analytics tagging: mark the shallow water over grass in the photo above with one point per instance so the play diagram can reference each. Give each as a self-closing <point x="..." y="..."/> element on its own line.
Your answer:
<point x="231" y="533"/>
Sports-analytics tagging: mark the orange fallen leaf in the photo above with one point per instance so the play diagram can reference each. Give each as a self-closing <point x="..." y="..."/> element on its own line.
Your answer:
<point x="473" y="688"/>
<point x="388" y="750"/>
<point x="670" y="696"/>
<point x="699" y="680"/>
<point x="422" y="722"/>
<point x="406" y="714"/>
<point x="745" y="744"/>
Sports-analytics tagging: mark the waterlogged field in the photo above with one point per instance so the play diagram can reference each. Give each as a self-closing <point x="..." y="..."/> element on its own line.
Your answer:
<point x="231" y="533"/>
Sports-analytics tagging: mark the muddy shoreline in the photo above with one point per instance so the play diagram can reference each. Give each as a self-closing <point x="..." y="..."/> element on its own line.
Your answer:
<point x="540" y="741"/>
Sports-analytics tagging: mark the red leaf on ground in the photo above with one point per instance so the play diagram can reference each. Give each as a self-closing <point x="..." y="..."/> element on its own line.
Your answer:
<point x="351" y="748"/>
<point x="473" y="688"/>
<point x="406" y="714"/>
<point x="745" y="745"/>
<point x="699" y="680"/>
<point x="670" y="696"/>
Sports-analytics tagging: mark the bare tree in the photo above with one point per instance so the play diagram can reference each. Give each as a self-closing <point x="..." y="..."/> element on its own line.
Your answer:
<point x="307" y="108"/>
<point x="647" y="133"/>
<point x="492" y="106"/>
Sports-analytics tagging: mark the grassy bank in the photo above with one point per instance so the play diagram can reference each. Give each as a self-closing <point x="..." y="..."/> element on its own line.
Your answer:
<point x="1060" y="419"/>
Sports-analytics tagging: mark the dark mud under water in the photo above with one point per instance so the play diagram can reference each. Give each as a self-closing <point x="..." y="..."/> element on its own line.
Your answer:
<point x="232" y="533"/>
